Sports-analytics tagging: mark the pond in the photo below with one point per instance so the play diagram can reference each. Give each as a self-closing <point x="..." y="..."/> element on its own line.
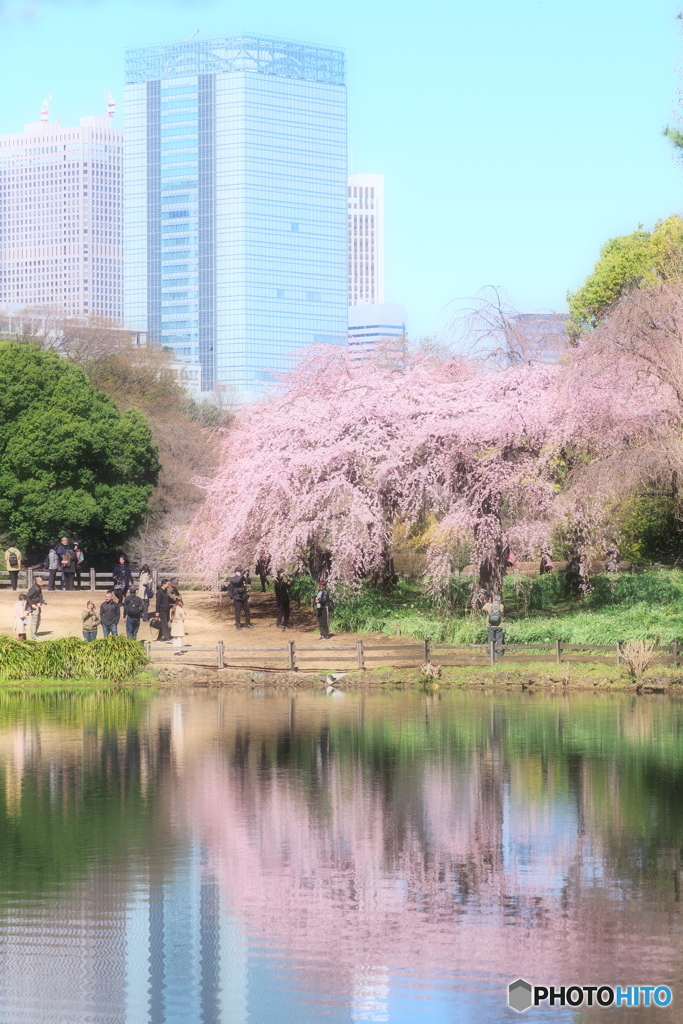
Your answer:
<point x="207" y="856"/>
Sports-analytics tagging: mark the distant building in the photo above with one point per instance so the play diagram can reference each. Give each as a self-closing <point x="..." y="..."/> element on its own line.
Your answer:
<point x="61" y="218"/>
<point x="366" y="238"/>
<point x="537" y="336"/>
<point x="377" y="324"/>
<point x="235" y="203"/>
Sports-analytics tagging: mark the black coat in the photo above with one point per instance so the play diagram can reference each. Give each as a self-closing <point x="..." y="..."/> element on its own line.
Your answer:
<point x="110" y="613"/>
<point x="163" y="603"/>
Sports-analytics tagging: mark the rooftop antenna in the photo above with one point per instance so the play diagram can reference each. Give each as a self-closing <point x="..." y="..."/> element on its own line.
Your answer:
<point x="195" y="33"/>
<point x="111" y="103"/>
<point x="45" y="109"/>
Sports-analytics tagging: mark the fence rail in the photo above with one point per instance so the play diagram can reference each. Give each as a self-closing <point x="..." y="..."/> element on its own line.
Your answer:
<point x="90" y="579"/>
<point x="361" y="655"/>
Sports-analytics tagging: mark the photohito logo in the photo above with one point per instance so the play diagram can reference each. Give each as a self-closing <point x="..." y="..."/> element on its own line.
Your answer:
<point x="522" y="995"/>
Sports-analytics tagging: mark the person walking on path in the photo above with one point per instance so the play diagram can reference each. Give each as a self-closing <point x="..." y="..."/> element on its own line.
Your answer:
<point x="494" y="611"/>
<point x="53" y="564"/>
<point x="110" y="615"/>
<point x="163" y="609"/>
<point x="91" y="621"/>
<point x="178" y="626"/>
<point x="281" y="586"/>
<point x="123" y="578"/>
<point x="145" y="590"/>
<point x="133" y="609"/>
<point x="239" y="595"/>
<point x="323" y="608"/>
<point x="80" y="563"/>
<point x="62" y="550"/>
<point x="21" y="617"/>
<point x="34" y="604"/>
<point x="13" y="565"/>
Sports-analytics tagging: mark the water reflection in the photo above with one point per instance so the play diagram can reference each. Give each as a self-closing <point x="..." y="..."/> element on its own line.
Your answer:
<point x="208" y="857"/>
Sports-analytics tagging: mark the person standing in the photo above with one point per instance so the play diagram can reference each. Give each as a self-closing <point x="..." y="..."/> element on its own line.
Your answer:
<point x="110" y="615"/>
<point x="145" y="591"/>
<point x="53" y="564"/>
<point x="281" y="586"/>
<point x="123" y="578"/>
<point x="163" y="608"/>
<point x="91" y="621"/>
<point x="13" y="565"/>
<point x="64" y="551"/>
<point x="494" y="611"/>
<point x="262" y="569"/>
<point x="239" y="595"/>
<point x="133" y="609"/>
<point x="178" y="626"/>
<point x="546" y="561"/>
<point x="323" y="604"/>
<point x="80" y="563"/>
<point x="69" y="562"/>
<point x="20" y="612"/>
<point x="34" y="605"/>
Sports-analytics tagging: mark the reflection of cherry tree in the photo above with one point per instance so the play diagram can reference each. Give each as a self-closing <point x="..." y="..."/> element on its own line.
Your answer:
<point x="452" y="873"/>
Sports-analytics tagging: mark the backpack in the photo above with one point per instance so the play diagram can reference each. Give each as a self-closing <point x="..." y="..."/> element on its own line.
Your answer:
<point x="13" y="560"/>
<point x="495" y="614"/>
<point x="134" y="607"/>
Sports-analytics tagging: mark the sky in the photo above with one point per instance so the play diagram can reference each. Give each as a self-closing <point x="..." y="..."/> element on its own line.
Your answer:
<point x="515" y="138"/>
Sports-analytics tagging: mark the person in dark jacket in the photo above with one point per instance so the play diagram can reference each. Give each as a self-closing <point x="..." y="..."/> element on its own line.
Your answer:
<point x="133" y="610"/>
<point x="239" y="595"/>
<point x="281" y="586"/>
<point x="69" y="562"/>
<point x="34" y="605"/>
<point x="110" y="615"/>
<point x="163" y="608"/>
<point x="123" y="578"/>
<point x="323" y="602"/>
<point x="262" y="570"/>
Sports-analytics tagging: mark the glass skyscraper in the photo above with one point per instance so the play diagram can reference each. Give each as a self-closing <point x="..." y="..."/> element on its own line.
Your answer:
<point x="235" y="232"/>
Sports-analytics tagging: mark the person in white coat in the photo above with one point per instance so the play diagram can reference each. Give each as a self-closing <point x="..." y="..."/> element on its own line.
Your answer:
<point x="178" y="626"/>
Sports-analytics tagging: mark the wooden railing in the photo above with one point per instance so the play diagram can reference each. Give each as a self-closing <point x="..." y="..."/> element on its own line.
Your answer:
<point x="93" y="580"/>
<point x="362" y="655"/>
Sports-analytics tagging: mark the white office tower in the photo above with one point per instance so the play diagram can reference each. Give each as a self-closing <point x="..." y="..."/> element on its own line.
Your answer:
<point x="366" y="238"/>
<point x="61" y="218"/>
<point x="378" y="324"/>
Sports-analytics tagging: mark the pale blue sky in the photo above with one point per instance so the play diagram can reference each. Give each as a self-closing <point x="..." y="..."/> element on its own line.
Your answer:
<point x="515" y="137"/>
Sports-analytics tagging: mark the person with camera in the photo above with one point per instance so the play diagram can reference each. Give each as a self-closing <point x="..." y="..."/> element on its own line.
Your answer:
<point x="239" y="595"/>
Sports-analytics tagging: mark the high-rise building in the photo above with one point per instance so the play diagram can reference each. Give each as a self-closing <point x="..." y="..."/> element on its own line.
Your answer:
<point x="61" y="218"/>
<point x="365" y="202"/>
<point x="374" y="324"/>
<point x="235" y="203"/>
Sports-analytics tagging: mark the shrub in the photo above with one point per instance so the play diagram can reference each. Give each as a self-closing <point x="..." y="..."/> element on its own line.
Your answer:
<point x="115" y="658"/>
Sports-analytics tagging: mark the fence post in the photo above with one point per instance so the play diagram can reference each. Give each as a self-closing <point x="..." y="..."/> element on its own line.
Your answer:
<point x="291" y="656"/>
<point x="148" y="648"/>
<point x="492" y="652"/>
<point x="674" y="651"/>
<point x="217" y="581"/>
<point x="220" y="654"/>
<point x="558" y="651"/>
<point x="427" y="652"/>
<point x="155" y="578"/>
<point x="619" y="654"/>
<point x="93" y="581"/>
<point x="30" y="577"/>
<point x="360" y="660"/>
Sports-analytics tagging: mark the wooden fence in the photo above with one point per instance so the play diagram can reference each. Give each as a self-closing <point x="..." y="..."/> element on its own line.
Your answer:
<point x="92" y="580"/>
<point x="361" y="655"/>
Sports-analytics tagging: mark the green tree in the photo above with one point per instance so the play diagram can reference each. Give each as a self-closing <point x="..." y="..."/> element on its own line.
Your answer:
<point x="70" y="462"/>
<point x="636" y="260"/>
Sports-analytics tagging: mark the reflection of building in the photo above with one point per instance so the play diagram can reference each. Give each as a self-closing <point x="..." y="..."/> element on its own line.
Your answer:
<point x="61" y="220"/>
<point x="235" y="194"/>
<point x="366" y="238"/>
<point x="373" y="325"/>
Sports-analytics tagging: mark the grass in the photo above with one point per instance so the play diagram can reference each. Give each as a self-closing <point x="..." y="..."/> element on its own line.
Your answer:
<point x="638" y="606"/>
<point x="115" y="659"/>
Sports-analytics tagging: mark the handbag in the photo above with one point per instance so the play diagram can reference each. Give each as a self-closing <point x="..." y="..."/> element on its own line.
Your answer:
<point x="155" y="622"/>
